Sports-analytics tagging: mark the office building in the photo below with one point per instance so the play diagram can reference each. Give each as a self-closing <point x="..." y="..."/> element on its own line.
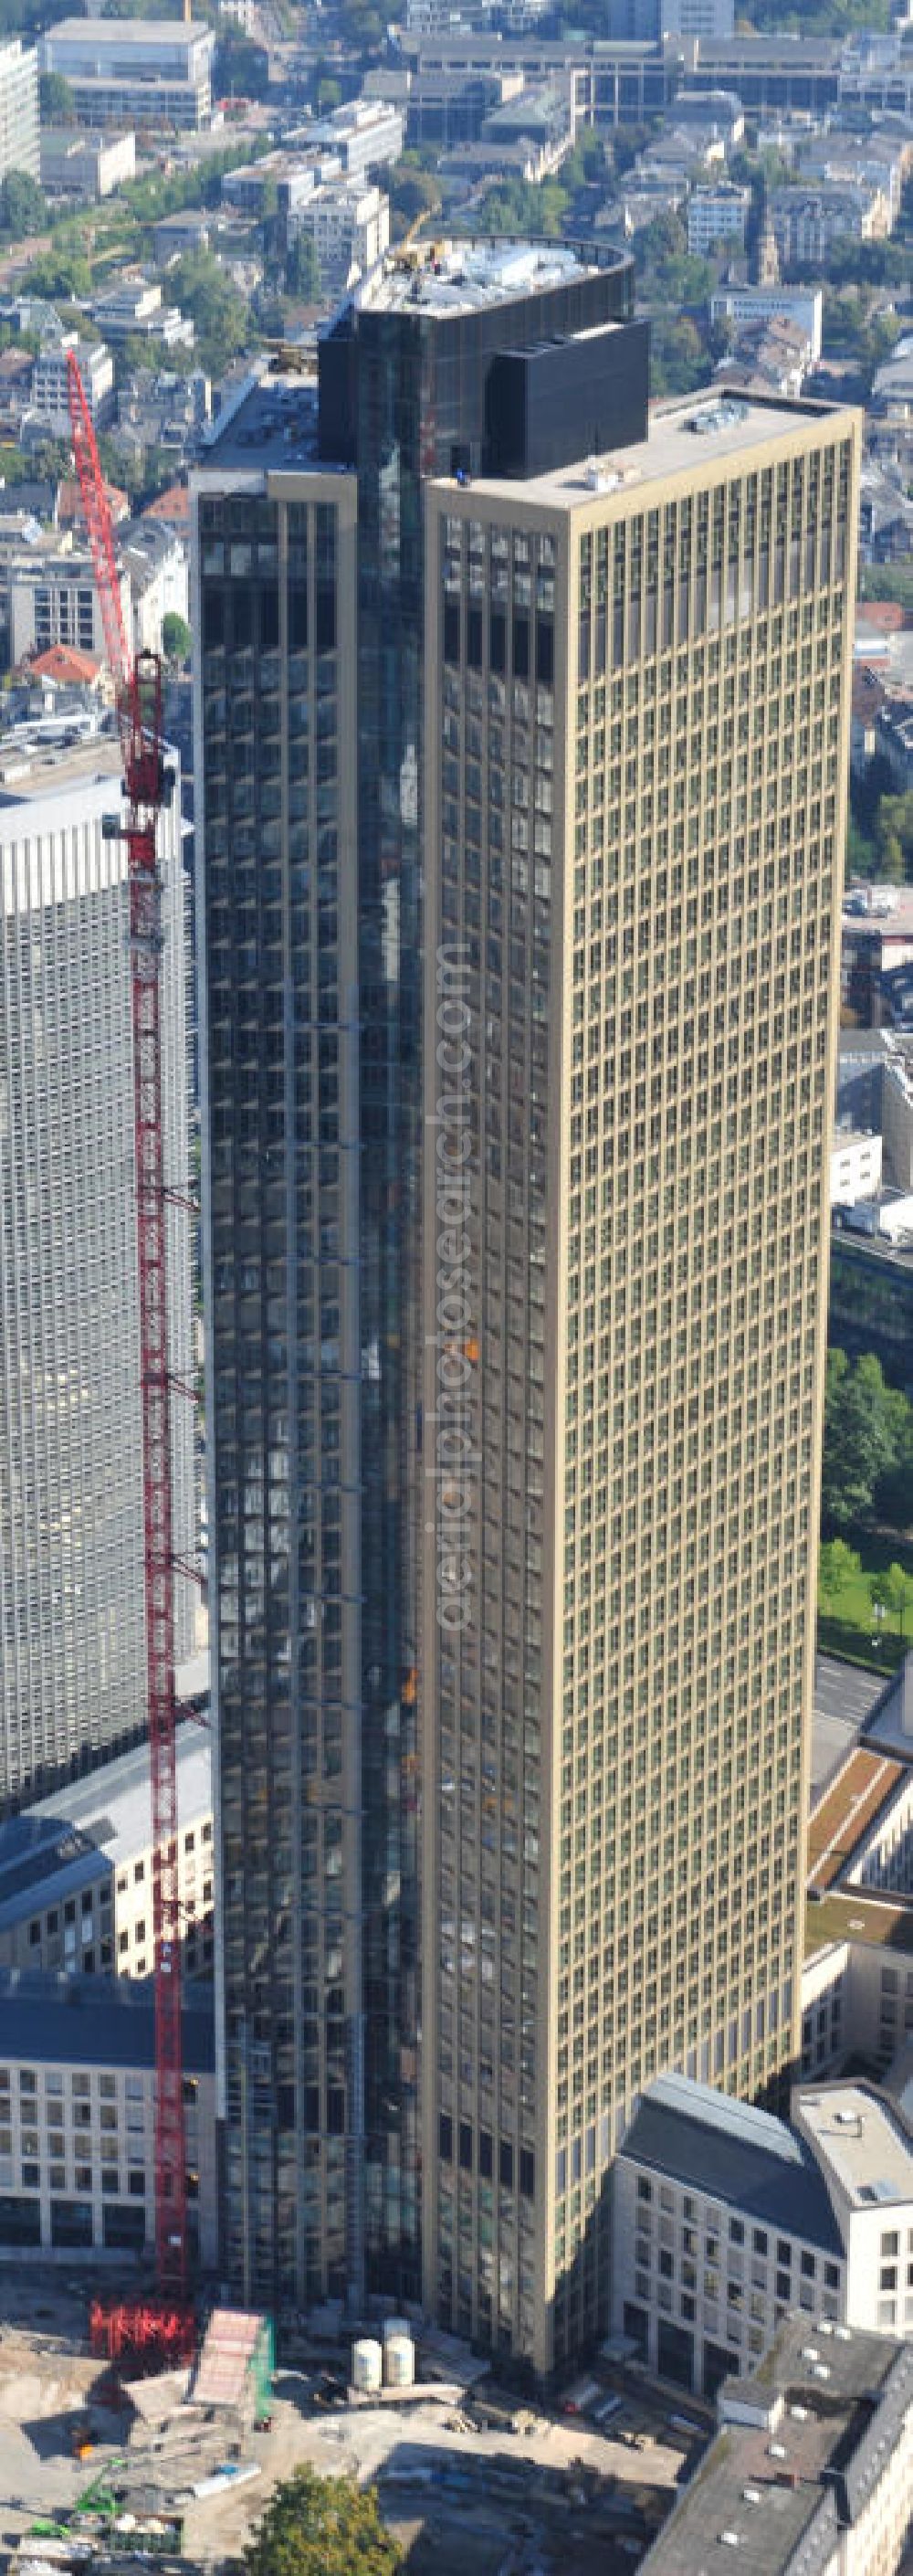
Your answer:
<point x="18" y="109"/>
<point x="310" y="615"/>
<point x="150" y="72"/>
<point x="810" y="2472"/>
<point x="76" y="1870"/>
<point x="362" y="135"/>
<point x="636" y="728"/>
<point x="72" y="1603"/>
<point x="726" y="2221"/>
<point x="77" y="2120"/>
<point x="576" y="723"/>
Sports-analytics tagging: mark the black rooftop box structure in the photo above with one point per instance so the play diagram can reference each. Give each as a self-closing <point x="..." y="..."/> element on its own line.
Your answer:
<point x="548" y="406"/>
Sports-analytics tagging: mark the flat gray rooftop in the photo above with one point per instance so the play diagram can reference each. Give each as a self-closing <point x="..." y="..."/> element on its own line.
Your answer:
<point x="831" y="2450"/>
<point x="272" y="428"/>
<point x="703" y="430"/>
<point x="164" y="34"/>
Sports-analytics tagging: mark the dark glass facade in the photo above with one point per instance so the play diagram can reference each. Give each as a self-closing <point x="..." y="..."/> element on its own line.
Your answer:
<point x="404" y="394"/>
<point x="311" y="617"/>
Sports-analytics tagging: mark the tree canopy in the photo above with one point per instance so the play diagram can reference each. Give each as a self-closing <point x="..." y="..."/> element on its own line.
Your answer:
<point x="867" y="1463"/>
<point x="176" y="637"/>
<point x="56" y="99"/>
<point x="223" y="320"/>
<point x="322" y="2527"/>
<point x="23" y="207"/>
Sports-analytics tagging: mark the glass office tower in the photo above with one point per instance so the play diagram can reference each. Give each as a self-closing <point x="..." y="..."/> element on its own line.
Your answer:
<point x="310" y="681"/>
<point x="522" y="734"/>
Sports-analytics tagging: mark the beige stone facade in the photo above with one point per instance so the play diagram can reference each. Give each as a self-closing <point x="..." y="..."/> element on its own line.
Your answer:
<point x="637" y="676"/>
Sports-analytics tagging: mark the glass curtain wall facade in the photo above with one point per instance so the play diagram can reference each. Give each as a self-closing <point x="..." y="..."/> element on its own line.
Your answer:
<point x="637" y="713"/>
<point x="72" y="1596"/>
<point x="320" y="2046"/>
<point x="279" y="1063"/>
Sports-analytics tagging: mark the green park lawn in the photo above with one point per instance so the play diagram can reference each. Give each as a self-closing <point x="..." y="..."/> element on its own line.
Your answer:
<point x="848" y="1623"/>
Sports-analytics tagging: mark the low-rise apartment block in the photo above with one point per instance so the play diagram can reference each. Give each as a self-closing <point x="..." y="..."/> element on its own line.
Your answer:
<point x="807" y="224"/>
<point x="77" y="2119"/>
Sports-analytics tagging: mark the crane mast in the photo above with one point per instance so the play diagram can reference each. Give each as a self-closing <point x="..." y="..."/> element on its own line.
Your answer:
<point x="138" y="683"/>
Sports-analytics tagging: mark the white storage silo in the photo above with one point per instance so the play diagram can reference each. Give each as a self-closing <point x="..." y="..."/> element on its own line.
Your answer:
<point x="399" y="2360"/>
<point x="367" y="2365"/>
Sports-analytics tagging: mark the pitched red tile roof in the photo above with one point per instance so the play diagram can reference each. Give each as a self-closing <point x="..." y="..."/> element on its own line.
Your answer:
<point x="65" y="662"/>
<point x="173" y="505"/>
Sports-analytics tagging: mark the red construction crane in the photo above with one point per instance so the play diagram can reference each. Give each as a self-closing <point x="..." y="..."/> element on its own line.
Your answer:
<point x="147" y="786"/>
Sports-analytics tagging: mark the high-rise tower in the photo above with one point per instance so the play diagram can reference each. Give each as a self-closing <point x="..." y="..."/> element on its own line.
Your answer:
<point x="72" y="1601"/>
<point x="636" y="695"/>
<point x="514" y="1258"/>
<point x="311" y="675"/>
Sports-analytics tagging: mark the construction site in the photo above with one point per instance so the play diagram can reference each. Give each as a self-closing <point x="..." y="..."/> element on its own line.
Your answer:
<point x="101" y="2469"/>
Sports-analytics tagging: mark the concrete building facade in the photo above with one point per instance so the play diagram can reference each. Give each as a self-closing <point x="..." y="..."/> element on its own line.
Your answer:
<point x="350" y="230"/>
<point x="50" y="598"/>
<point x="72" y="1603"/>
<point x="85" y="165"/>
<point x="48" y="393"/>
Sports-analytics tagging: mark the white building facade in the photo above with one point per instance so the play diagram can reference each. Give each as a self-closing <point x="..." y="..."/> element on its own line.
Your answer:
<point x="18" y="109"/>
<point x="716" y="215"/>
<point x="726" y="2221"/>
